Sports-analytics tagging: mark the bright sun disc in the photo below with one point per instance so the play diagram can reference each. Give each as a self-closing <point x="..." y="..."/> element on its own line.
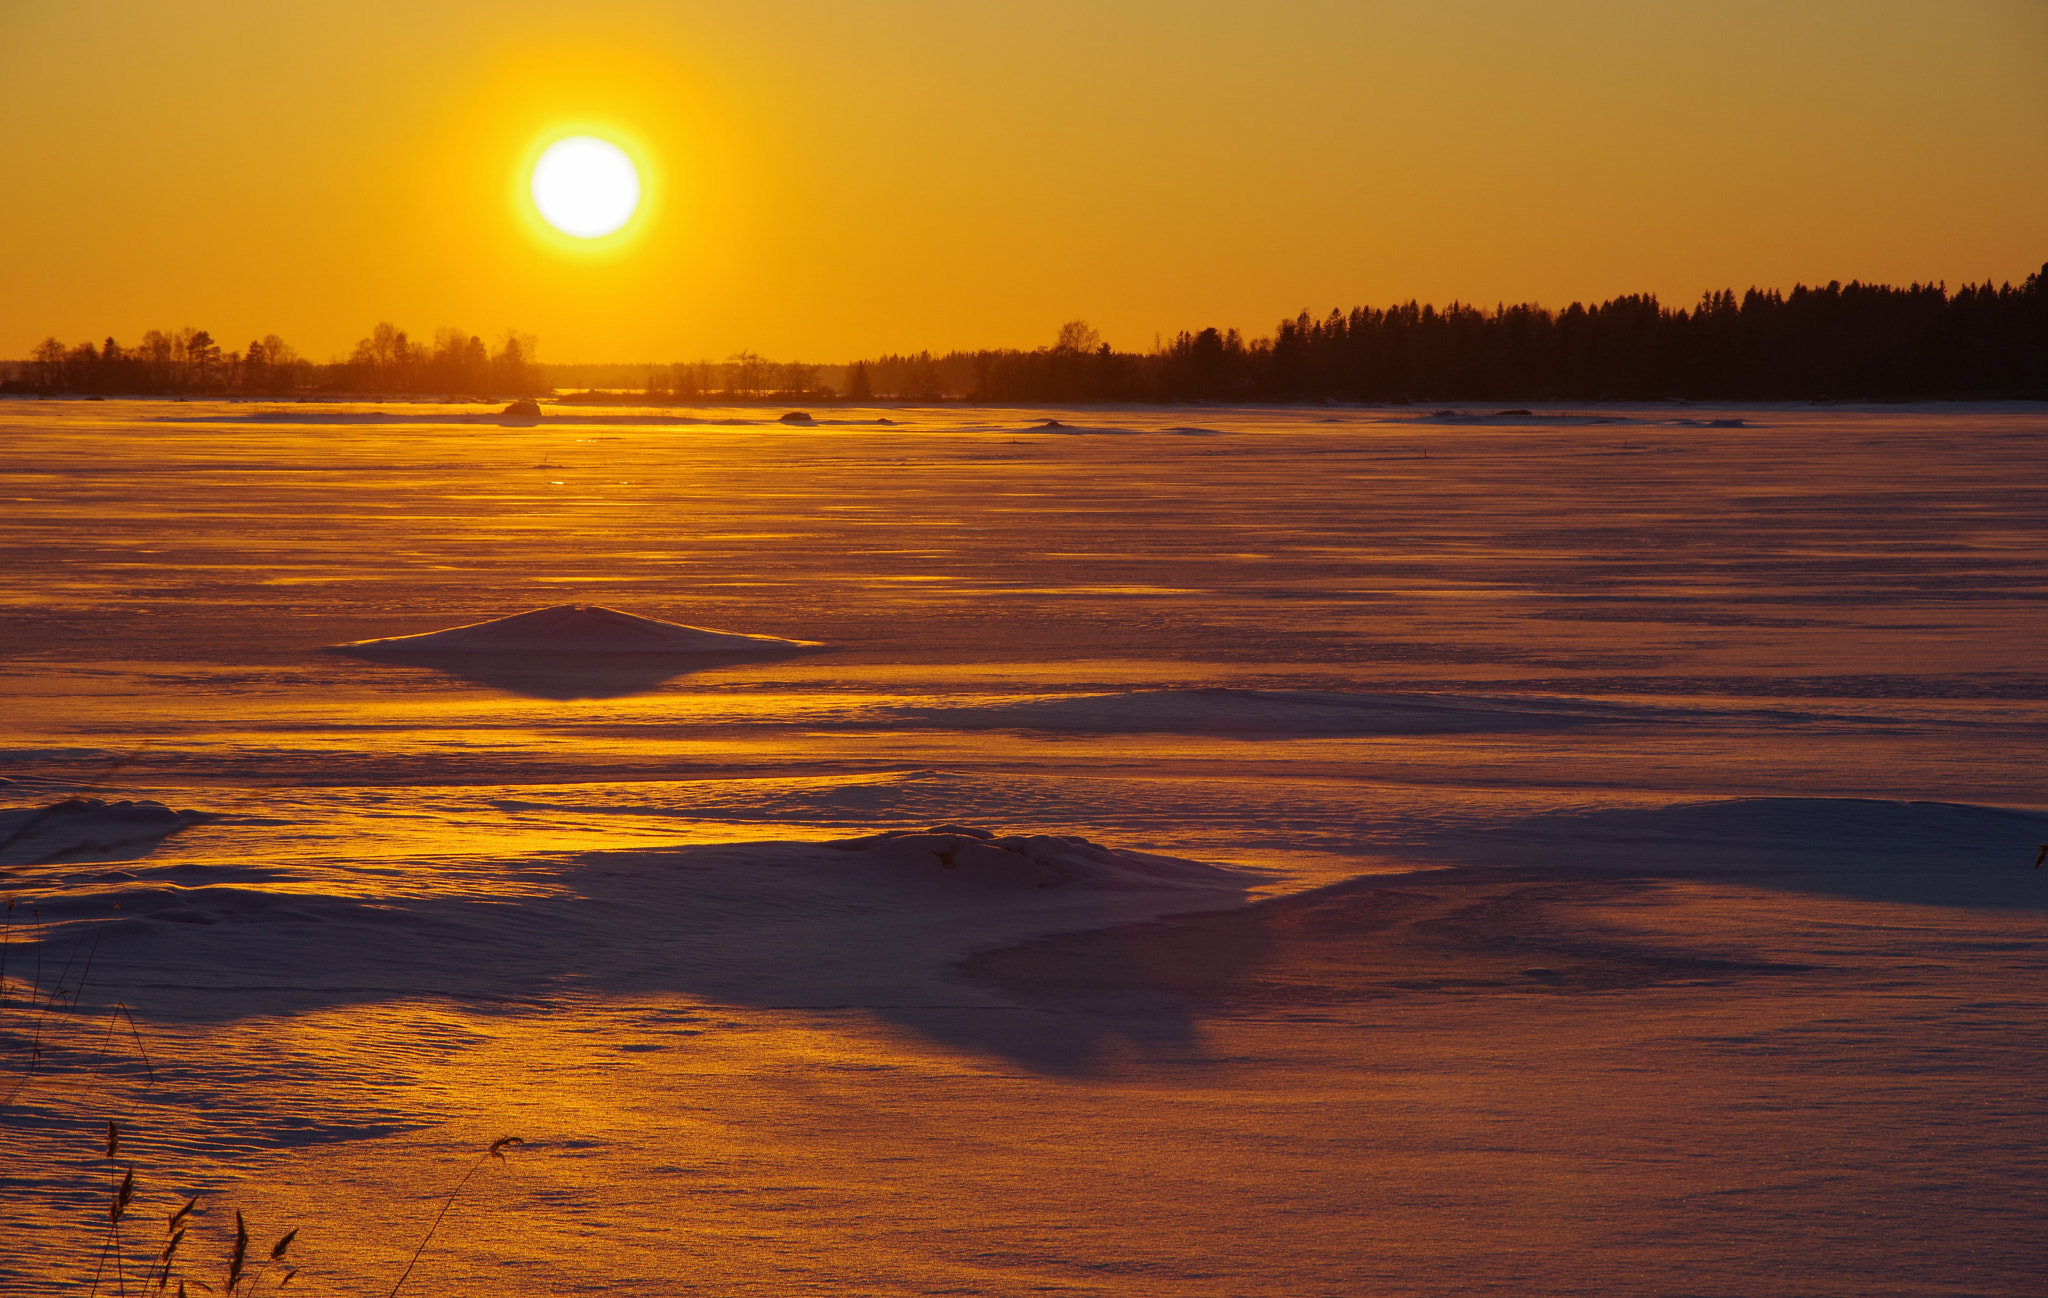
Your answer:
<point x="585" y="187"/>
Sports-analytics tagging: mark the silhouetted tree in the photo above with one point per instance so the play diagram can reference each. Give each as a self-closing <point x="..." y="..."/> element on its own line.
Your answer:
<point x="858" y="386"/>
<point x="513" y="367"/>
<point x="202" y="357"/>
<point x="46" y="366"/>
<point x="746" y="373"/>
<point x="1077" y="336"/>
<point x="255" y="368"/>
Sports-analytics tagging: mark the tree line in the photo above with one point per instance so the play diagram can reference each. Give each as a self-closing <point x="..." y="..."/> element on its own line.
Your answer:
<point x="742" y="376"/>
<point x="191" y="362"/>
<point x="1837" y="341"/>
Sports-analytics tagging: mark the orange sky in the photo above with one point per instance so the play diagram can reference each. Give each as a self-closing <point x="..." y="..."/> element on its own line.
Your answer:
<point x="831" y="179"/>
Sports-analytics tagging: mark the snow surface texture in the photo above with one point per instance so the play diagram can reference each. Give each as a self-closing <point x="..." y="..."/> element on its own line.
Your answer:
<point x="1637" y="809"/>
<point x="577" y="629"/>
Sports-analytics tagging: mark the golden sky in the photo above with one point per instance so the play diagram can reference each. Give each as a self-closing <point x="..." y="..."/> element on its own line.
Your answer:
<point x="828" y="178"/>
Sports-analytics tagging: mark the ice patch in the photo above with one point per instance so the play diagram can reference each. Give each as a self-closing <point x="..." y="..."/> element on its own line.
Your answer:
<point x="1283" y="712"/>
<point x="1862" y="825"/>
<point x="1514" y="418"/>
<point x="1942" y="853"/>
<point x="56" y="755"/>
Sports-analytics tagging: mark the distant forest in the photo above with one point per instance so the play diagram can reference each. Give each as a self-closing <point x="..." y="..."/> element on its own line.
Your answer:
<point x="190" y="361"/>
<point x="1838" y="341"/>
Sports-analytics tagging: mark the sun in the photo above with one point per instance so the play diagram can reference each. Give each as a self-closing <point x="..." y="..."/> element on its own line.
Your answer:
<point x="585" y="187"/>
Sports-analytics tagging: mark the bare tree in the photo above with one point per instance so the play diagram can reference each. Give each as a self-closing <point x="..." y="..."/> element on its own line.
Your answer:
<point x="46" y="365"/>
<point x="796" y="378"/>
<point x="1077" y="336"/>
<point x="747" y="373"/>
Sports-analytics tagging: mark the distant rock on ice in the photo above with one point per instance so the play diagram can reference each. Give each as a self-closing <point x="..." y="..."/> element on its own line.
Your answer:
<point x="577" y="629"/>
<point x="982" y="857"/>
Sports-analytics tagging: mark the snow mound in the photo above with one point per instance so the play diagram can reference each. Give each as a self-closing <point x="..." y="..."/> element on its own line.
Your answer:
<point x="1282" y="712"/>
<point x="34" y="834"/>
<point x="981" y="857"/>
<point x="578" y="629"/>
<point x="1077" y="430"/>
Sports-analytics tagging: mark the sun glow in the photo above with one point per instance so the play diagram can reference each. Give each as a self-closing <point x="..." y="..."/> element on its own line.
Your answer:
<point x="585" y="187"/>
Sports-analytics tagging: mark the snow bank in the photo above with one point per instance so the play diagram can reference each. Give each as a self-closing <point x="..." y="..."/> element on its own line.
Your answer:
<point x="577" y="629"/>
<point x="980" y="856"/>
<point x="878" y="922"/>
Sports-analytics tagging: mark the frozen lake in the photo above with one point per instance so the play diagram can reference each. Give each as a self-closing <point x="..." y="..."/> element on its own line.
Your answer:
<point x="1671" y="777"/>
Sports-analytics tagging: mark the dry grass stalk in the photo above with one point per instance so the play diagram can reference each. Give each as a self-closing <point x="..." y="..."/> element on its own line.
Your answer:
<point x="175" y="1228"/>
<point x="241" y="1255"/>
<point x="495" y="1151"/>
<point x="169" y="1255"/>
<point x="122" y="1194"/>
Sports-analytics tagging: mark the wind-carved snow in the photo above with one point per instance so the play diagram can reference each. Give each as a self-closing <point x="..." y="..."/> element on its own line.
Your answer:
<point x="1085" y="430"/>
<point x="577" y="629"/>
<point x="983" y="857"/>
<point x="78" y="826"/>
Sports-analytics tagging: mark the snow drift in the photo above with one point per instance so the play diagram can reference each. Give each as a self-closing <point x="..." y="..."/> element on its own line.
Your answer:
<point x="1032" y="860"/>
<point x="77" y="826"/>
<point x="577" y="629"/>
